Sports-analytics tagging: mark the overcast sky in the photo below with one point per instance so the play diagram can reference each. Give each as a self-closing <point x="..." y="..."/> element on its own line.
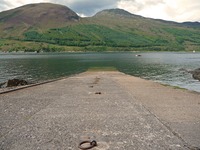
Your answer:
<point x="175" y="10"/>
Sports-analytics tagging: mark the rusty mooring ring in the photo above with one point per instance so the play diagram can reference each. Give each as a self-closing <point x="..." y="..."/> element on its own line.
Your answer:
<point x="92" y="145"/>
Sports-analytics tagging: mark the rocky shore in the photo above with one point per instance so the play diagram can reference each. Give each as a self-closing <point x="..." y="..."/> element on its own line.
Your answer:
<point x="196" y="74"/>
<point x="13" y="83"/>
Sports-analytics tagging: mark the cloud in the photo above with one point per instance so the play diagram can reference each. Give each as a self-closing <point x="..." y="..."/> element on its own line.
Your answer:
<point x="183" y="10"/>
<point x="138" y="5"/>
<point x="9" y="4"/>
<point x="88" y="7"/>
<point x="176" y="10"/>
<point x="5" y="4"/>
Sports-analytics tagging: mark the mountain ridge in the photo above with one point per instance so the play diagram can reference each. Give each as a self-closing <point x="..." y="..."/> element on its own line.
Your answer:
<point x="43" y="15"/>
<point x="116" y="11"/>
<point x="55" y="27"/>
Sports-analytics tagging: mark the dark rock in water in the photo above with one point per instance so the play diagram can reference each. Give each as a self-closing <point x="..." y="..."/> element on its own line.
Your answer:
<point x="3" y="85"/>
<point x="182" y="69"/>
<point x="16" y="82"/>
<point x="196" y="74"/>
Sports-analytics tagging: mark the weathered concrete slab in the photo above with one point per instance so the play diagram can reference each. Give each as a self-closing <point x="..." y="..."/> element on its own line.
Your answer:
<point x="178" y="109"/>
<point x="95" y="105"/>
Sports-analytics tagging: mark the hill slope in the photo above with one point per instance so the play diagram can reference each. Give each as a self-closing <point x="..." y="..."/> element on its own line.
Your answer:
<point x="41" y="16"/>
<point x="56" y="26"/>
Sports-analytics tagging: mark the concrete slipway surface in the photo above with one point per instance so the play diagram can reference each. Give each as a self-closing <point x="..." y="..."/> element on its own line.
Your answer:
<point x="117" y="110"/>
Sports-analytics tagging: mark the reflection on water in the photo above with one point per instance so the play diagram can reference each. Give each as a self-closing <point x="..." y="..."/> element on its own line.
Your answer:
<point x="161" y="67"/>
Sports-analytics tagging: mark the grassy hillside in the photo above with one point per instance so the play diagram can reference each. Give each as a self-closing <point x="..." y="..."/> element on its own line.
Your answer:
<point x="13" y="23"/>
<point x="113" y="29"/>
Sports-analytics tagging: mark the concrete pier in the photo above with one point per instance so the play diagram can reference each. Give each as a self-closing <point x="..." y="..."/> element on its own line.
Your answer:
<point x="117" y="110"/>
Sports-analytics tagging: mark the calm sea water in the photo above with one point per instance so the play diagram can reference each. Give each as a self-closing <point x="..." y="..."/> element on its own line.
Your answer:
<point x="161" y="67"/>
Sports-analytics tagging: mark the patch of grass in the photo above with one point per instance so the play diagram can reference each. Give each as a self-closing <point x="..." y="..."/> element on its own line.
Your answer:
<point x="88" y="35"/>
<point x="99" y="37"/>
<point x="174" y="87"/>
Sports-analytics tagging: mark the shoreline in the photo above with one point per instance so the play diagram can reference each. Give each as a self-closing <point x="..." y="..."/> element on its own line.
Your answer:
<point x="91" y="51"/>
<point x="94" y="69"/>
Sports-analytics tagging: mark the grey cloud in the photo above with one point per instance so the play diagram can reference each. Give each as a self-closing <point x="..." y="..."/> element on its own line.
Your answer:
<point x="148" y="3"/>
<point x="5" y="5"/>
<point x="145" y="4"/>
<point x="89" y="7"/>
<point x="154" y="2"/>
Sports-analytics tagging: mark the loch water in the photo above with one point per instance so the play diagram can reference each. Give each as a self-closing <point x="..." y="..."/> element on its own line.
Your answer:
<point x="164" y="67"/>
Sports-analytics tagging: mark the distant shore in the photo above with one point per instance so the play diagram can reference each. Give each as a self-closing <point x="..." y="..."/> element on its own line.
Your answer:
<point x="89" y="51"/>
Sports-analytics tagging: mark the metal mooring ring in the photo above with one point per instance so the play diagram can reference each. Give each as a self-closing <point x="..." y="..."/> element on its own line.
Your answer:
<point x="92" y="145"/>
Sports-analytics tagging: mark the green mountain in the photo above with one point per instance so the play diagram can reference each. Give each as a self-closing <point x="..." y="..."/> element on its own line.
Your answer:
<point x="35" y="16"/>
<point x="51" y="27"/>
